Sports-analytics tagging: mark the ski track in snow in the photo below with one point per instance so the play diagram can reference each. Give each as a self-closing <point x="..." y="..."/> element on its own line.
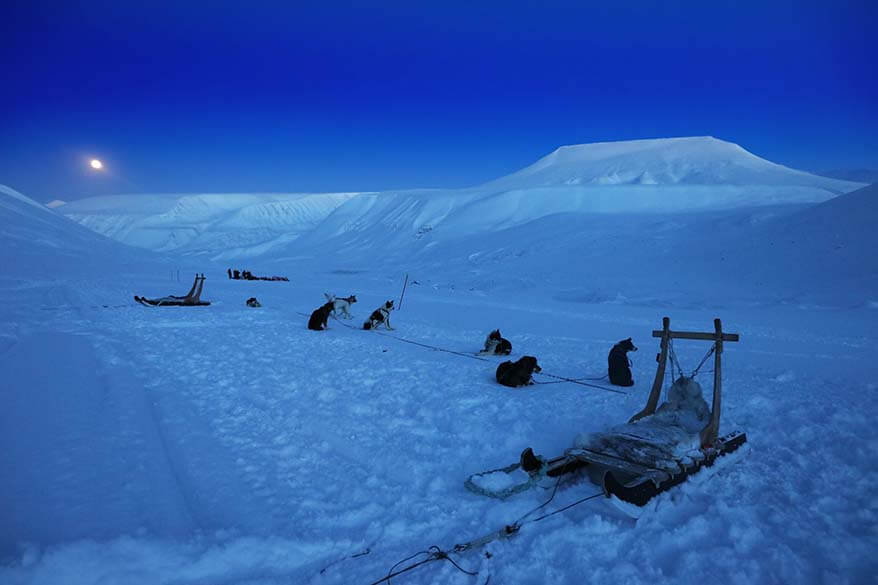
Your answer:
<point x="224" y="444"/>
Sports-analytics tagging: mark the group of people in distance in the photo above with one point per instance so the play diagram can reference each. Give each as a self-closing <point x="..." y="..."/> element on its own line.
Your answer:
<point x="247" y="275"/>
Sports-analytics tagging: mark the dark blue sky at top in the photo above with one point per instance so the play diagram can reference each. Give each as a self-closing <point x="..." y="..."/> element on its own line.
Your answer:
<point x="334" y="96"/>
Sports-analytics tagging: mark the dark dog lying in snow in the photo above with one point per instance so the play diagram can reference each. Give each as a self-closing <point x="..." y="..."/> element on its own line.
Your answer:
<point x="379" y="316"/>
<point x="515" y="374"/>
<point x="619" y="366"/>
<point x="496" y="345"/>
<point x="319" y="317"/>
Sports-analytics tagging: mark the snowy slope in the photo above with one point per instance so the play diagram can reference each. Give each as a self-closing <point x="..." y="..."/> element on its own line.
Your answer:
<point x="37" y="240"/>
<point x="211" y="224"/>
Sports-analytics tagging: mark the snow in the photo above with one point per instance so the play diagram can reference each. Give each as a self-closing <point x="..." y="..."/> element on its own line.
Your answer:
<point x="211" y="224"/>
<point x="227" y="444"/>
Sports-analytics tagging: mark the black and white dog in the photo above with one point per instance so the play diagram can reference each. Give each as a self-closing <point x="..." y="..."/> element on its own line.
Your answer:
<point x="379" y="316"/>
<point x="496" y="345"/>
<point x="618" y="364"/>
<point x="319" y="317"/>
<point x="515" y="374"/>
<point x="341" y="305"/>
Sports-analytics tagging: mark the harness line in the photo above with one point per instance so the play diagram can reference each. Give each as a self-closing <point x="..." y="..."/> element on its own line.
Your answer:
<point x="559" y="379"/>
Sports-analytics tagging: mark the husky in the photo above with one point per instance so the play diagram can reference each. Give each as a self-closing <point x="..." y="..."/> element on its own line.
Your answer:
<point x="496" y="345"/>
<point x="319" y="317"/>
<point x="618" y="364"/>
<point x="379" y="316"/>
<point x="515" y="374"/>
<point x="341" y="305"/>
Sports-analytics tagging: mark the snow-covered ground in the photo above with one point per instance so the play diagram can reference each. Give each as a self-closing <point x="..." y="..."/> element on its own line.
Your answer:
<point x="231" y="445"/>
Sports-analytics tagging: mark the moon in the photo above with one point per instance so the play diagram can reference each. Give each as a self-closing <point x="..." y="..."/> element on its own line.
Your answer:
<point x="96" y="164"/>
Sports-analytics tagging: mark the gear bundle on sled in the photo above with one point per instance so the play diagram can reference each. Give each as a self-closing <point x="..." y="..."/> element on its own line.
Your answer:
<point x="660" y="447"/>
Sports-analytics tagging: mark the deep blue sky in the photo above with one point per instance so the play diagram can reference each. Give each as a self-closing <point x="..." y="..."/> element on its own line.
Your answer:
<point x="330" y="96"/>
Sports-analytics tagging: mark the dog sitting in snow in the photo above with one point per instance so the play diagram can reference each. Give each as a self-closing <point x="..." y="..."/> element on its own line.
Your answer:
<point x="341" y="305"/>
<point x="379" y="316"/>
<point x="496" y="345"/>
<point x="515" y="374"/>
<point x="619" y="366"/>
<point x="319" y="317"/>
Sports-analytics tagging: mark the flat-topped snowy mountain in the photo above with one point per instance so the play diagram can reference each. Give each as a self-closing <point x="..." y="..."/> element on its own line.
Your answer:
<point x="699" y="160"/>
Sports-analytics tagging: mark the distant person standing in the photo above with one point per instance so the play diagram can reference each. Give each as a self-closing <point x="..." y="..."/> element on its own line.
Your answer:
<point x="229" y="270"/>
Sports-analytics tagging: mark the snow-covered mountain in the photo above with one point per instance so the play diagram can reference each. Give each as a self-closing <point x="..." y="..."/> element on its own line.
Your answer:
<point x="220" y="225"/>
<point x="677" y="175"/>
<point x="699" y="160"/>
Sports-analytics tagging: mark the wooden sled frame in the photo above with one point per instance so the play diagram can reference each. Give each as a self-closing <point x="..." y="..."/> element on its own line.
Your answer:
<point x="637" y="482"/>
<point x="710" y="432"/>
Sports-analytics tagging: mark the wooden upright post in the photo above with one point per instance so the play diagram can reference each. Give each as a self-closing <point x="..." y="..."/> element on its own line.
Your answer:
<point x="709" y="433"/>
<point x="656" y="391"/>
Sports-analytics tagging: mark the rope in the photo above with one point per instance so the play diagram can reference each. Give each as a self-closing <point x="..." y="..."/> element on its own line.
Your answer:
<point x="575" y="381"/>
<point x="482" y="359"/>
<point x="704" y="359"/>
<point x="435" y="554"/>
<point x="508" y="530"/>
<point x="362" y="553"/>
<point x="676" y="362"/>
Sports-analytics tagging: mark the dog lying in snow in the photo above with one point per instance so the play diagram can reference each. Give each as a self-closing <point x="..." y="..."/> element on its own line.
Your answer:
<point x="379" y="316"/>
<point x="618" y="364"/>
<point x="319" y="317"/>
<point x="515" y="374"/>
<point x="341" y="305"/>
<point x="496" y="345"/>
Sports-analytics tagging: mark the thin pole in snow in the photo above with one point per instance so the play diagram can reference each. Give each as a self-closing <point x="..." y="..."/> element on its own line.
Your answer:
<point x="403" y="291"/>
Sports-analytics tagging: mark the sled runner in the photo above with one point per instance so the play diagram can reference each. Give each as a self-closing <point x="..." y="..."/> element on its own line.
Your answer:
<point x="656" y="450"/>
